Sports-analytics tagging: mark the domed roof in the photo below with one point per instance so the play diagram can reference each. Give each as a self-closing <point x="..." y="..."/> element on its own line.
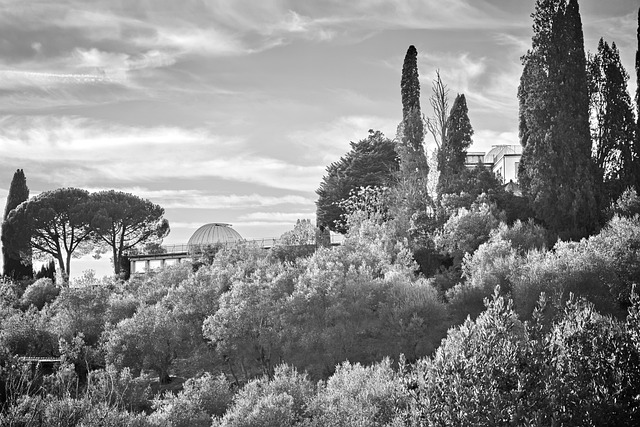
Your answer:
<point x="214" y="233"/>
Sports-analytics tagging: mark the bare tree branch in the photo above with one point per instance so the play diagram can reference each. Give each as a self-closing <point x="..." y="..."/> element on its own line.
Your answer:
<point x="439" y="101"/>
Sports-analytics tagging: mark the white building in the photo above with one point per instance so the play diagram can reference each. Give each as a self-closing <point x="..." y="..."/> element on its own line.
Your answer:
<point x="503" y="160"/>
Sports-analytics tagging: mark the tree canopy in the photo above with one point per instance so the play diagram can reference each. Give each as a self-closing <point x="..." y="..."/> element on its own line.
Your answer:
<point x="122" y="221"/>
<point x="58" y="223"/>
<point x="556" y="172"/>
<point x="453" y="152"/>
<point x="370" y="162"/>
<point x="613" y="128"/>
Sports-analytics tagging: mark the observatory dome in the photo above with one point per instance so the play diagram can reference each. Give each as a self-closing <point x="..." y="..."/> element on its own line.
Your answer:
<point x="212" y="234"/>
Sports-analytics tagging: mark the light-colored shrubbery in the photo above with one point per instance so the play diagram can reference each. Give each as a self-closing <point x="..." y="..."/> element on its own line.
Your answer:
<point x="279" y="402"/>
<point x="357" y="395"/>
<point x="201" y="399"/>
<point x="41" y="292"/>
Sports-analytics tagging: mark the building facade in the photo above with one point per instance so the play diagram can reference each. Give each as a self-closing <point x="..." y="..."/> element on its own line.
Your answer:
<point x="503" y="160"/>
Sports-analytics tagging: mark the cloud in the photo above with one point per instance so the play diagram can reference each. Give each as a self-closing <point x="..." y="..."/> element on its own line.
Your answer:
<point x="281" y="217"/>
<point x="483" y="140"/>
<point x="330" y="140"/>
<point x="82" y="152"/>
<point x="460" y="71"/>
<point x="204" y="199"/>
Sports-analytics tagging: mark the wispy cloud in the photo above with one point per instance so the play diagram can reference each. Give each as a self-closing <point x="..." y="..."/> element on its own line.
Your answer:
<point x="208" y="199"/>
<point x="331" y="140"/>
<point x="287" y="217"/>
<point x="484" y="139"/>
<point x="93" y="151"/>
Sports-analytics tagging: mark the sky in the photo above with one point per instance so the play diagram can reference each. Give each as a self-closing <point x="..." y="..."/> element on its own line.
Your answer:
<point x="230" y="110"/>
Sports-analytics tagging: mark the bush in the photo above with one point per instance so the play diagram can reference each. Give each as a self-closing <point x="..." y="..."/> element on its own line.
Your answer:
<point x="280" y="402"/>
<point x="118" y="389"/>
<point x="595" y="379"/>
<point x="68" y="412"/>
<point x="494" y="263"/>
<point x="200" y="400"/>
<point x="522" y="236"/>
<point x="28" y="334"/>
<point x="359" y="396"/>
<point x="465" y="231"/>
<point x="41" y="292"/>
<point x="81" y="311"/>
<point x="473" y="377"/>
<point x="570" y="268"/>
<point x="414" y="318"/>
<point x="578" y="368"/>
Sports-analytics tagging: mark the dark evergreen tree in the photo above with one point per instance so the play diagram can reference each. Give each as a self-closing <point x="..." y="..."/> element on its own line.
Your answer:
<point x="411" y="202"/>
<point x="452" y="154"/>
<point x="413" y="161"/>
<point x="16" y="253"/>
<point x="556" y="172"/>
<point x="613" y="126"/>
<point x="637" y="139"/>
<point x="370" y="162"/>
<point x="410" y="83"/>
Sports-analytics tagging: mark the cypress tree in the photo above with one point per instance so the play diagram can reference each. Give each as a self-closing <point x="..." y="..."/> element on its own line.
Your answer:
<point x="412" y="124"/>
<point x="414" y="168"/>
<point x="637" y="139"/>
<point x="557" y="173"/>
<point x="15" y="265"/>
<point x="452" y="154"/>
<point x="410" y="83"/>
<point x="613" y="130"/>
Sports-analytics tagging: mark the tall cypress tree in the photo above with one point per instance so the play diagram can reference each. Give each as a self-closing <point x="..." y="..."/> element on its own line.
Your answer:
<point x="557" y="173"/>
<point x="637" y="139"/>
<point x="413" y="161"/>
<point x="453" y="153"/>
<point x="410" y="83"/>
<point x="613" y="128"/>
<point x="14" y="265"/>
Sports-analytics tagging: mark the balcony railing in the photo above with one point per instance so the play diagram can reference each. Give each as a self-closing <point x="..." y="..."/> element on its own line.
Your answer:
<point x="265" y="243"/>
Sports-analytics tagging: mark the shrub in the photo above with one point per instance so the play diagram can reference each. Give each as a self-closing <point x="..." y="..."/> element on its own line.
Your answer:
<point x="595" y="379"/>
<point x="118" y="389"/>
<point x="474" y="376"/>
<point x="41" y="292"/>
<point x="570" y="268"/>
<point x="465" y="231"/>
<point x="618" y="246"/>
<point x="81" y="310"/>
<point x="28" y="334"/>
<point x="495" y="263"/>
<point x="356" y="395"/>
<point x="280" y="402"/>
<point x="195" y="405"/>
<point x="579" y="368"/>
<point x="522" y="236"/>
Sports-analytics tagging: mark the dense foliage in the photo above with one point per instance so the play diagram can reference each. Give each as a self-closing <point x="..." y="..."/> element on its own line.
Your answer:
<point x="70" y="222"/>
<point x="370" y="162"/>
<point x="16" y="253"/>
<point x="614" y="128"/>
<point x="453" y="152"/>
<point x="468" y="312"/>
<point x="252" y="340"/>
<point x="123" y="221"/>
<point x="554" y="123"/>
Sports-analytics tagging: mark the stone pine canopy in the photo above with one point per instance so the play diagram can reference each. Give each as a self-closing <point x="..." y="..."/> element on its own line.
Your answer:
<point x="213" y="234"/>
